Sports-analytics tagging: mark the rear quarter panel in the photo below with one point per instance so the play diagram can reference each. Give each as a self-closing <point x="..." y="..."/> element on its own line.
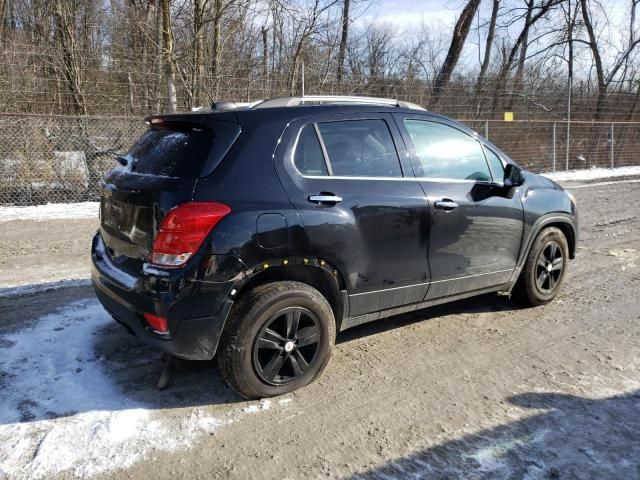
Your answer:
<point x="246" y="181"/>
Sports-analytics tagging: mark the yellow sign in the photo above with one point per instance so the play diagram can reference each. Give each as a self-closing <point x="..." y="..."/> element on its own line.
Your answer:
<point x="508" y="116"/>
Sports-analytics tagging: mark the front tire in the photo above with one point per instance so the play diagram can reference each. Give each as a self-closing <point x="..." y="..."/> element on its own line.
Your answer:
<point x="544" y="269"/>
<point x="278" y="338"/>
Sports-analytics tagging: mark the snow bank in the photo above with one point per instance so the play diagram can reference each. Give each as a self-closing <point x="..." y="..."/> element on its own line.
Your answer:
<point x="592" y="174"/>
<point x="50" y="211"/>
<point x="61" y="412"/>
<point x="31" y="288"/>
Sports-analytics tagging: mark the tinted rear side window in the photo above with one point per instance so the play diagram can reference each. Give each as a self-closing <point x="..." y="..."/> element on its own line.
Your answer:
<point x="360" y="148"/>
<point x="308" y="157"/>
<point x="171" y="152"/>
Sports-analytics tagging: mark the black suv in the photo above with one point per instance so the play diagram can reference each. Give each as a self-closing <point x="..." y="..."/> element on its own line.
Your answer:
<point x="258" y="232"/>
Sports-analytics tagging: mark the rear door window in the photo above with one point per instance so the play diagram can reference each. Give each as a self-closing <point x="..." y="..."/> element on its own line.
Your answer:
<point x="445" y="152"/>
<point x="360" y="148"/>
<point x="171" y="152"/>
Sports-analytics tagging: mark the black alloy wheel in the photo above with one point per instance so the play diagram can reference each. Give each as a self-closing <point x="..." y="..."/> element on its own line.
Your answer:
<point x="544" y="269"/>
<point x="286" y="345"/>
<point x="549" y="267"/>
<point x="278" y="338"/>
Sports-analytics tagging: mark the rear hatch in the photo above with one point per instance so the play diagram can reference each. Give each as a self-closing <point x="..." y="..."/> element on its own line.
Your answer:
<point x="159" y="172"/>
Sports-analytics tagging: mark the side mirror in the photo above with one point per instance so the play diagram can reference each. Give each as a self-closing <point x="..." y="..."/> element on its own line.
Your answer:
<point x="513" y="176"/>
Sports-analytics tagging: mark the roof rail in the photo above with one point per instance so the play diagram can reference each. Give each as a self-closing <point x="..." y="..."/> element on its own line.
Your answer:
<point x="224" y="105"/>
<point x="338" y="99"/>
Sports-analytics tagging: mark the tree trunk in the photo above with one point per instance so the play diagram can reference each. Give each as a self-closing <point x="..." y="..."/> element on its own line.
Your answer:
<point x="486" y="61"/>
<point x="343" y="39"/>
<point x="597" y="59"/>
<point x="157" y="77"/>
<point x="131" y="91"/>
<point x="460" y="32"/>
<point x="3" y="17"/>
<point x="215" y="47"/>
<point x="71" y="69"/>
<point x="198" y="46"/>
<point x="265" y="61"/>
<point x="167" y="54"/>
<point x="293" y="73"/>
<point x="518" y="83"/>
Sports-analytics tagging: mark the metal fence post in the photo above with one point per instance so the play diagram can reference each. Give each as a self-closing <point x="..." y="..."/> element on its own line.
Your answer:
<point x="566" y="160"/>
<point x="554" y="146"/>
<point x="486" y="129"/>
<point x="612" y="145"/>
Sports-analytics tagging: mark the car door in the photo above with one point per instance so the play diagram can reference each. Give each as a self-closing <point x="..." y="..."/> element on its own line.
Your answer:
<point x="345" y="177"/>
<point x="476" y="224"/>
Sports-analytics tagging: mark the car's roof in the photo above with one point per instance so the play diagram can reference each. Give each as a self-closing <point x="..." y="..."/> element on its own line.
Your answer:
<point x="301" y="111"/>
<point x="250" y="115"/>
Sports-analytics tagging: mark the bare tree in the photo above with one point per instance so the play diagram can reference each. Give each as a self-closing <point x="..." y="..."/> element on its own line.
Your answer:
<point x="604" y="78"/>
<point x="199" y="8"/>
<point x="344" y="37"/>
<point x="167" y="56"/>
<point x="71" y="69"/>
<point x="460" y="32"/>
<point x="488" y="45"/>
<point x="307" y="19"/>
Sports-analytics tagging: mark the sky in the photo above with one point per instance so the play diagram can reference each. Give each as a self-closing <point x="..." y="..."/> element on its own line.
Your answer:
<point x="406" y="13"/>
<point x="403" y="13"/>
<point x="441" y="15"/>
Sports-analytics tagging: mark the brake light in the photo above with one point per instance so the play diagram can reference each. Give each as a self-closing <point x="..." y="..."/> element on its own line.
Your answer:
<point x="158" y="324"/>
<point x="183" y="230"/>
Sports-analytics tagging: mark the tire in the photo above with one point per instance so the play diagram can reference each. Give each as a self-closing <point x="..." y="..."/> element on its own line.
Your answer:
<point x="539" y="282"/>
<point x="265" y="334"/>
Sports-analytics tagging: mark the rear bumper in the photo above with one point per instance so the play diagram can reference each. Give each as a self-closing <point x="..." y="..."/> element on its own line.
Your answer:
<point x="196" y="310"/>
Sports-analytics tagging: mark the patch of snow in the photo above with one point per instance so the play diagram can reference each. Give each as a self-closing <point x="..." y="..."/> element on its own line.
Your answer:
<point x="31" y="288"/>
<point x="592" y="174"/>
<point x="50" y="211"/>
<point x="61" y="412"/>
<point x="200" y="422"/>
<point x="600" y="184"/>
<point x="262" y="405"/>
<point x="491" y="456"/>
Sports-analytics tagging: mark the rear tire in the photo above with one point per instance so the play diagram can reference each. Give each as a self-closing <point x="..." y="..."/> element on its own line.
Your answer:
<point x="544" y="270"/>
<point x="278" y="338"/>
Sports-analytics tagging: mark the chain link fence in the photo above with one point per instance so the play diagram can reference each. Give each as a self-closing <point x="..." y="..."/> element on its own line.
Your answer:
<point x="62" y="159"/>
<point x="547" y="146"/>
<point x="59" y="159"/>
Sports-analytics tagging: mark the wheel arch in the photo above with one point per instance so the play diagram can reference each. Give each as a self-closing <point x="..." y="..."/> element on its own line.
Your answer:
<point x="561" y="221"/>
<point x="317" y="274"/>
<point x="568" y="230"/>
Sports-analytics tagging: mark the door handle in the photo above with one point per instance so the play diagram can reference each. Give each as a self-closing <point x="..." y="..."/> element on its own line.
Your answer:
<point x="325" y="198"/>
<point x="446" y="204"/>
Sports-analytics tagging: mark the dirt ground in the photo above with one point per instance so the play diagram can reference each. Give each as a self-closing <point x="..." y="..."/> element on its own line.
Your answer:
<point x="34" y="252"/>
<point x="475" y="389"/>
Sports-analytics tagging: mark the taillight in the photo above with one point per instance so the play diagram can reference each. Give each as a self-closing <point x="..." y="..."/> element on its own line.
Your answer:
<point x="183" y="230"/>
<point x="158" y="324"/>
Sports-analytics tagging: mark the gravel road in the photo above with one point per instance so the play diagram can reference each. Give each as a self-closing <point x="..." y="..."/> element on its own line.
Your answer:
<point x="477" y="389"/>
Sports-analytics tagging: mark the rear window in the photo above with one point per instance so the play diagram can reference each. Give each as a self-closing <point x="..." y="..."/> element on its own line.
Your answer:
<point x="171" y="152"/>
